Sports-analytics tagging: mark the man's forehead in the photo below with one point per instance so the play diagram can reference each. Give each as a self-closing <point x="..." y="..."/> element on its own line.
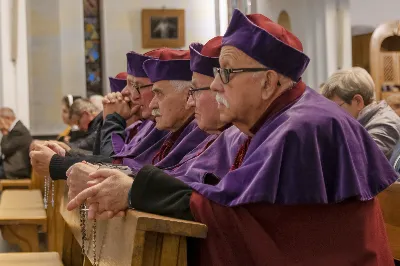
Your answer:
<point x="140" y="80"/>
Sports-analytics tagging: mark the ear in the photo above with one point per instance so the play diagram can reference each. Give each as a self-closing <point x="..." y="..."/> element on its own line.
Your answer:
<point x="269" y="83"/>
<point x="359" y="101"/>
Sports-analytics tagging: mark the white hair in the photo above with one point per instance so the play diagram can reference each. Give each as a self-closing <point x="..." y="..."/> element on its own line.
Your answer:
<point x="349" y="82"/>
<point x="7" y="112"/>
<point x="97" y="101"/>
<point x="180" y="85"/>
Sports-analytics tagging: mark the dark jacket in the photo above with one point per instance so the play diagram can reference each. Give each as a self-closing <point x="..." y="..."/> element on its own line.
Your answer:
<point x="15" y="148"/>
<point x="87" y="143"/>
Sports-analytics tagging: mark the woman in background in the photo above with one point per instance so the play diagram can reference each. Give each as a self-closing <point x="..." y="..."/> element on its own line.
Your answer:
<point x="71" y="130"/>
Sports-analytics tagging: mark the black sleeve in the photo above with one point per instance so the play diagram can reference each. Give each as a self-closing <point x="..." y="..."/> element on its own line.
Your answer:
<point x="156" y="192"/>
<point x="85" y="143"/>
<point x="59" y="165"/>
<point x="113" y="124"/>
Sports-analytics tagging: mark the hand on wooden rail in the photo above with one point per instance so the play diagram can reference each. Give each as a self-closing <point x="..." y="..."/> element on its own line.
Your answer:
<point x="111" y="194"/>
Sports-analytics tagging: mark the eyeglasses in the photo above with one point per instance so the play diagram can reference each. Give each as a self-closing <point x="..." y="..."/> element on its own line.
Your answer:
<point x="192" y="91"/>
<point x="224" y="73"/>
<point x="138" y="87"/>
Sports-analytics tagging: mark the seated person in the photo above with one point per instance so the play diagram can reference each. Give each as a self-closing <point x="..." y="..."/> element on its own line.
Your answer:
<point x="158" y="148"/>
<point x="219" y="148"/>
<point x="302" y="187"/>
<point x="88" y="118"/>
<point x="171" y="77"/>
<point x="354" y="90"/>
<point x="14" y="145"/>
<point x="71" y="130"/>
<point x="97" y="101"/>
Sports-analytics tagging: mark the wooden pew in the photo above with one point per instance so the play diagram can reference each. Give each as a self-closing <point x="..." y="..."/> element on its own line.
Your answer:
<point x="22" y="215"/>
<point x="31" y="259"/>
<point x="137" y="239"/>
<point x="389" y="200"/>
<point x="15" y="183"/>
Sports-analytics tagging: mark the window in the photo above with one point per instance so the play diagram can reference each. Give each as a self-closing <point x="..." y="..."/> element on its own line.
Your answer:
<point x="92" y="47"/>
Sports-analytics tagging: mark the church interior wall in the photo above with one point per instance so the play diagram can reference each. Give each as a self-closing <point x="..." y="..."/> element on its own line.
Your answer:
<point x="56" y="50"/>
<point x="122" y="27"/>
<point x="51" y="54"/>
<point x="372" y="13"/>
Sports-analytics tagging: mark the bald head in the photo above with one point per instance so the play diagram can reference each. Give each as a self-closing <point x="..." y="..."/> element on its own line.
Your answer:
<point x="6" y="112"/>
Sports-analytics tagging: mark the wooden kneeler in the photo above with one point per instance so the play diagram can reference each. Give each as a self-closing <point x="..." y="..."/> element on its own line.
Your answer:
<point x="137" y="239"/>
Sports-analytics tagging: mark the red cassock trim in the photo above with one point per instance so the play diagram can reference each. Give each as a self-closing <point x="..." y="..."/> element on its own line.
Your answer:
<point x="351" y="233"/>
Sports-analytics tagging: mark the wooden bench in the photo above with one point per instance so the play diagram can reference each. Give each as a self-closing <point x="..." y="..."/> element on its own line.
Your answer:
<point x="15" y="183"/>
<point x="389" y="200"/>
<point x="137" y="239"/>
<point x="22" y="215"/>
<point x="30" y="259"/>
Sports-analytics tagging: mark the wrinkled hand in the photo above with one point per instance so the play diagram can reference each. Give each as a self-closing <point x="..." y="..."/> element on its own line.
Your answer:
<point x="54" y="146"/>
<point x="78" y="176"/>
<point x="115" y="103"/>
<point x="36" y="143"/>
<point x="40" y="159"/>
<point x="62" y="145"/>
<point x="107" y="198"/>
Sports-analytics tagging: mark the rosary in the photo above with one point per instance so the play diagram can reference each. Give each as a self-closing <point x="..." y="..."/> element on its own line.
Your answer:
<point x="47" y="186"/>
<point x="83" y="218"/>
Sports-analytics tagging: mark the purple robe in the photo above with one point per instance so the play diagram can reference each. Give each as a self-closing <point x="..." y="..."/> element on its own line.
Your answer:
<point x="188" y="140"/>
<point x="311" y="152"/>
<point x="146" y="135"/>
<point x="216" y="159"/>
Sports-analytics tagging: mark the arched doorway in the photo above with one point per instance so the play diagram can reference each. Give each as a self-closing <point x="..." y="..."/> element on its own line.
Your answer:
<point x="284" y="20"/>
<point x="385" y="59"/>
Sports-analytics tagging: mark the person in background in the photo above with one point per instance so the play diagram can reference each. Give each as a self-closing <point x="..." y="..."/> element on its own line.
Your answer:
<point x="15" y="143"/>
<point x="354" y="90"/>
<point x="394" y="102"/>
<point x="97" y="101"/>
<point x="66" y="103"/>
<point x="89" y="119"/>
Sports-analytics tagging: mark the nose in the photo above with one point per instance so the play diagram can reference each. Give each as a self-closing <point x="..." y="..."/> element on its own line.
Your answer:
<point x="216" y="85"/>
<point x="125" y="92"/>
<point x="153" y="104"/>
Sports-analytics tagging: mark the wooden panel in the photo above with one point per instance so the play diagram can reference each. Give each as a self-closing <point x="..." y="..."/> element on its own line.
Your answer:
<point x="30" y="259"/>
<point x="143" y="239"/>
<point x="16" y="183"/>
<point x="170" y="250"/>
<point x="360" y="50"/>
<point x="389" y="200"/>
<point x="55" y="222"/>
<point x="381" y="33"/>
<point x="25" y="236"/>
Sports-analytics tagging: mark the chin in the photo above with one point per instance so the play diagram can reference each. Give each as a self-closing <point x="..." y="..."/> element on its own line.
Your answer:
<point x="224" y="118"/>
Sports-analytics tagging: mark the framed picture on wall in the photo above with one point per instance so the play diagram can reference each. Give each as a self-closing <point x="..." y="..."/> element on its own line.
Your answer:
<point x="163" y="28"/>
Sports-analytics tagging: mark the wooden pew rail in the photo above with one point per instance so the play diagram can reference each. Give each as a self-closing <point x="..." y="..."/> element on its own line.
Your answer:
<point x="137" y="239"/>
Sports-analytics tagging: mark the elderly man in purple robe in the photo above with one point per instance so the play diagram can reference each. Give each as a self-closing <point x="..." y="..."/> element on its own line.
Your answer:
<point x="302" y="187"/>
<point x="171" y="76"/>
<point x="214" y="156"/>
<point x="354" y="90"/>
